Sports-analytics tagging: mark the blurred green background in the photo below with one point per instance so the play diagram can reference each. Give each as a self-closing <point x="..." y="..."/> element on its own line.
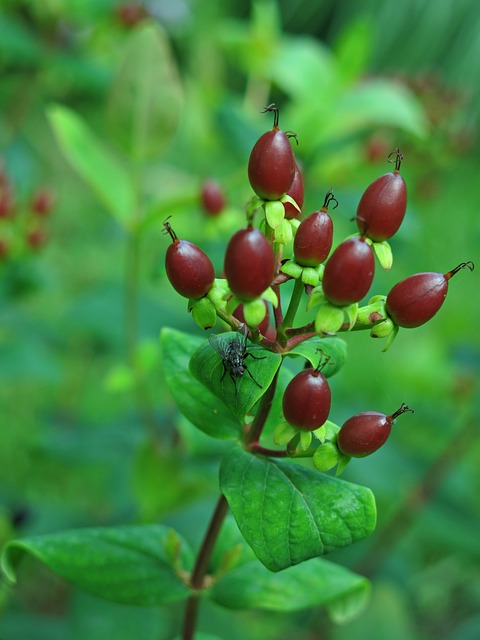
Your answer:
<point x="173" y="90"/>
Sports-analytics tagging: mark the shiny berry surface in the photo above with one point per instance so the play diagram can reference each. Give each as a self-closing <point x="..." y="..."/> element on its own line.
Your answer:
<point x="416" y="299"/>
<point x="313" y="239"/>
<point x="296" y="192"/>
<point x="382" y="207"/>
<point x="366" y="432"/>
<point x="271" y="167"/>
<point x="307" y="400"/>
<point x="349" y="272"/>
<point x="249" y="263"/>
<point x="188" y="268"/>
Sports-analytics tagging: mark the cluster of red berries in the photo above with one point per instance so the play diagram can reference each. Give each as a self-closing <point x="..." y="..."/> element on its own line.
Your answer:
<point x="22" y="227"/>
<point x="334" y="282"/>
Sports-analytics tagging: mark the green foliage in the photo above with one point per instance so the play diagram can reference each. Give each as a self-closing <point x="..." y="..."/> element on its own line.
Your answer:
<point x="288" y="513"/>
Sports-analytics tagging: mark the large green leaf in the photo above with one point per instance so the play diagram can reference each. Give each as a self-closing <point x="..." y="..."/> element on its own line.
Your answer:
<point x="136" y="565"/>
<point x="197" y="403"/>
<point x="103" y="173"/>
<point x="239" y="394"/>
<point x="313" y="584"/>
<point x="289" y="513"/>
<point x="331" y="351"/>
<point x="146" y="96"/>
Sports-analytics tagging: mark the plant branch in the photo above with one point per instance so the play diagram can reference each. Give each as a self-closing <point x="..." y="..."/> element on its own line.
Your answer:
<point x="201" y="565"/>
<point x="256" y="428"/>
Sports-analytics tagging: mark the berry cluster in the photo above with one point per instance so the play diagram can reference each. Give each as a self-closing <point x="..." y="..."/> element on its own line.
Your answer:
<point x="279" y="248"/>
<point x="23" y="226"/>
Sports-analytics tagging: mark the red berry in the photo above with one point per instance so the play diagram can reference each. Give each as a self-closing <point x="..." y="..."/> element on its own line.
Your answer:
<point x="307" y="400"/>
<point x="188" y="268"/>
<point x="42" y="202"/>
<point x="271" y="167"/>
<point x="212" y="198"/>
<point x="131" y="14"/>
<point x="314" y="236"/>
<point x="416" y="299"/>
<point x="349" y="272"/>
<point x="249" y="263"/>
<point x="36" y="238"/>
<point x="382" y="206"/>
<point x="296" y="192"/>
<point x="6" y="202"/>
<point x="366" y="432"/>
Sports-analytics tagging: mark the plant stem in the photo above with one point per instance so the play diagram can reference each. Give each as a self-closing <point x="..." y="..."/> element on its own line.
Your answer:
<point x="201" y="565"/>
<point x="258" y="423"/>
<point x="293" y="306"/>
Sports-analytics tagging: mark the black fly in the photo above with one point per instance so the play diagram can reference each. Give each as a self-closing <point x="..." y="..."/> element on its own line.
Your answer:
<point x="234" y="353"/>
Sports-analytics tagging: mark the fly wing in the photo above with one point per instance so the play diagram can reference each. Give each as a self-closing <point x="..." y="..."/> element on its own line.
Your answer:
<point x="219" y="344"/>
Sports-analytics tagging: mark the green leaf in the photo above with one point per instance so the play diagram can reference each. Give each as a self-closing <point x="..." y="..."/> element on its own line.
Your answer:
<point x="129" y="565"/>
<point x="320" y="348"/>
<point x="313" y="584"/>
<point x="196" y="403"/>
<point x="146" y="98"/>
<point x="288" y="513"/>
<point x="242" y="393"/>
<point x="93" y="162"/>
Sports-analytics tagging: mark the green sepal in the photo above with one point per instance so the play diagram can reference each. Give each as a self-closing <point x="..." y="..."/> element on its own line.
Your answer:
<point x="283" y="433"/>
<point x="283" y="232"/>
<point x="274" y="213"/>
<point x="372" y="313"/>
<point x="219" y="293"/>
<point x="383" y="251"/>
<point x="391" y="338"/>
<point x="253" y="204"/>
<point x="292" y="269"/>
<point x="351" y="311"/>
<point x="312" y="275"/>
<point x="325" y="457"/>
<point x="232" y="303"/>
<point x="329" y="318"/>
<point x="320" y="433"/>
<point x="254" y="312"/>
<point x="203" y="312"/>
<point x="289" y="199"/>
<point x="343" y="461"/>
<point x="270" y="296"/>
<point x="382" y="329"/>
<point x="305" y="439"/>
<point x="317" y="297"/>
<point x="331" y="430"/>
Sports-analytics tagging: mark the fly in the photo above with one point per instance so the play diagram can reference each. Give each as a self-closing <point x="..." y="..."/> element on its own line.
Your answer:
<point x="234" y="353"/>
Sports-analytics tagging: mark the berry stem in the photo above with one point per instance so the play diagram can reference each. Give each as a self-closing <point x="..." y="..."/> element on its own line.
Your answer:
<point x="292" y="309"/>
<point x="201" y="565"/>
<point x="462" y="265"/>
<point x="253" y="435"/>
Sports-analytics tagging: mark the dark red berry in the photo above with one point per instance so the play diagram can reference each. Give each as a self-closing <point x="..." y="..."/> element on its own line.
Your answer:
<point x="296" y="192"/>
<point x="314" y="236"/>
<point x="7" y="207"/>
<point x="366" y="432"/>
<point x="249" y="263"/>
<point x="263" y="326"/>
<point x="307" y="400"/>
<point x="416" y="299"/>
<point x="212" y="198"/>
<point x="382" y="206"/>
<point x="130" y="14"/>
<point x="36" y="238"/>
<point x="188" y="268"/>
<point x="42" y="202"/>
<point x="349" y="272"/>
<point x="271" y="166"/>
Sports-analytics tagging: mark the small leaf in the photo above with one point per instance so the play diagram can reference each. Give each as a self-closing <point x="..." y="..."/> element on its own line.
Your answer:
<point x="332" y="350"/>
<point x="288" y="513"/>
<point x="351" y="312"/>
<point x="283" y="233"/>
<point x="274" y="213"/>
<point x="239" y="394"/>
<point x="349" y="605"/>
<point x="128" y="565"/>
<point x="310" y="276"/>
<point x="93" y="162"/>
<point x="292" y="269"/>
<point x="383" y="251"/>
<point x="196" y="403"/>
<point x="283" y="433"/>
<point x="305" y="439"/>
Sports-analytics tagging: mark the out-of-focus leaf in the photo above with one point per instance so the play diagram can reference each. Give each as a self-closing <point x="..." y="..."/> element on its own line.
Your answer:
<point x="146" y="97"/>
<point x="93" y="162"/>
<point x="128" y="565"/>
